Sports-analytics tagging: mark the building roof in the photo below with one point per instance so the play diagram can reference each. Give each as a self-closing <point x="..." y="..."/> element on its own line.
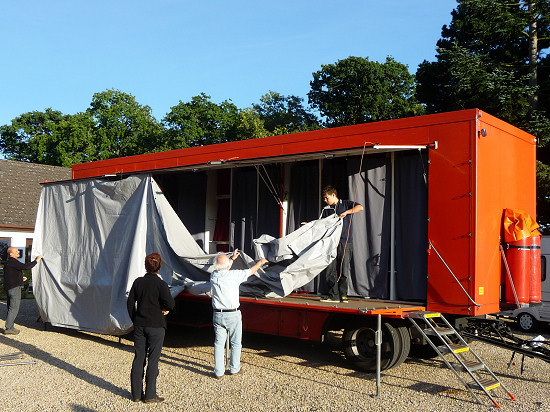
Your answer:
<point x="20" y="190"/>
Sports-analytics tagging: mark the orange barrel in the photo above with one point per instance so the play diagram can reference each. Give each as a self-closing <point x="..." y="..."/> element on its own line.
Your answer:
<point x="518" y="256"/>
<point x="534" y="270"/>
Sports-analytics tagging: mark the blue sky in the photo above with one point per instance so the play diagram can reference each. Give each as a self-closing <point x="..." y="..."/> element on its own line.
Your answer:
<point x="58" y="53"/>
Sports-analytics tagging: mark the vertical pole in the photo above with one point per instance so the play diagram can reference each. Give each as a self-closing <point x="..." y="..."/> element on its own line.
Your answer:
<point x="378" y="353"/>
<point x="393" y="293"/>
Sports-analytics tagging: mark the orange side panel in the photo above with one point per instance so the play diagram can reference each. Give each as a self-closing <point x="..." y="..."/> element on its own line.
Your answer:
<point x="449" y="211"/>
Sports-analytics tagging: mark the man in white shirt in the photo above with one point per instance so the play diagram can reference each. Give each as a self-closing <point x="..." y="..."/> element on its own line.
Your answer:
<point x="227" y="316"/>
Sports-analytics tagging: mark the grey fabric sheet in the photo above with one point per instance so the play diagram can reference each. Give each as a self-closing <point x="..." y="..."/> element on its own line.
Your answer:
<point x="94" y="236"/>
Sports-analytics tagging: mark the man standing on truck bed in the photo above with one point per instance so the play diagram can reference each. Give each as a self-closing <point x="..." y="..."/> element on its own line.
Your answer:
<point x="337" y="272"/>
<point x="227" y="316"/>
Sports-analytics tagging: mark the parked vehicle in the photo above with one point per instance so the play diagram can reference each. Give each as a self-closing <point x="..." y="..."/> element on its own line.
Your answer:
<point x="434" y="189"/>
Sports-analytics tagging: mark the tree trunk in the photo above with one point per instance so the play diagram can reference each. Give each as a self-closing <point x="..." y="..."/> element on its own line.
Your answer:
<point x="533" y="57"/>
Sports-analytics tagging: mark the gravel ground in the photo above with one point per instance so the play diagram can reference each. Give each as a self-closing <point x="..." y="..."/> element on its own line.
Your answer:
<point x="77" y="371"/>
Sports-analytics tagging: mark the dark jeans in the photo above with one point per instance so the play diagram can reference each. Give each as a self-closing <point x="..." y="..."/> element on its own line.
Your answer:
<point x="337" y="288"/>
<point x="147" y="348"/>
<point x="14" y="301"/>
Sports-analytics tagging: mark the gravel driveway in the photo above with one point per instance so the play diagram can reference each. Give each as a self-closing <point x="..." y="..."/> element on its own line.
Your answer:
<point x="77" y="371"/>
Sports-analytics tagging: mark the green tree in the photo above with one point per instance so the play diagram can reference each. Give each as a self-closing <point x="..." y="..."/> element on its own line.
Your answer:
<point x="32" y="137"/>
<point x="484" y="60"/>
<point x="492" y="56"/>
<point x="122" y="126"/>
<point x="200" y="122"/>
<point x="356" y="90"/>
<point x="250" y="125"/>
<point x="285" y="114"/>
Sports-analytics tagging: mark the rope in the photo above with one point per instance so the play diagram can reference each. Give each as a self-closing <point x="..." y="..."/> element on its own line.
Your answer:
<point x="449" y="269"/>
<point x="270" y="186"/>
<point x="351" y="217"/>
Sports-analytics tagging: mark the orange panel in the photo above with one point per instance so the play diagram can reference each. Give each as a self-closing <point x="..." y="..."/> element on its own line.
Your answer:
<point x="505" y="165"/>
<point x="449" y="211"/>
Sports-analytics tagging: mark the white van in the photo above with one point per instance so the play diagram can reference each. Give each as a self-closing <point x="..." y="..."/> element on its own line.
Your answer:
<point x="528" y="318"/>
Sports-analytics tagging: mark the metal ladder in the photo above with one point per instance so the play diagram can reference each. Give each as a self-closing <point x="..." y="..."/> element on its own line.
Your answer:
<point x="465" y="359"/>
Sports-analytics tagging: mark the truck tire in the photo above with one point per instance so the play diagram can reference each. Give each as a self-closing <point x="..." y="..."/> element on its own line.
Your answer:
<point x="360" y="346"/>
<point x="526" y="322"/>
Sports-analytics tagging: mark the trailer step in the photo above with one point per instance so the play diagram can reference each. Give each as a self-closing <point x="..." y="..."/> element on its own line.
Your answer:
<point x="439" y="331"/>
<point x="419" y="314"/>
<point x="468" y="365"/>
<point x="487" y="384"/>
<point x="465" y="361"/>
<point x="454" y="347"/>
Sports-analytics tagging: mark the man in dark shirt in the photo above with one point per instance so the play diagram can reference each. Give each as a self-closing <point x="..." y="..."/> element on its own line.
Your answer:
<point x="337" y="272"/>
<point x="148" y="303"/>
<point x="13" y="283"/>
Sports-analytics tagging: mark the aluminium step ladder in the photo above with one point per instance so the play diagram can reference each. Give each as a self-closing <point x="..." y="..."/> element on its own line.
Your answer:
<point x="465" y="359"/>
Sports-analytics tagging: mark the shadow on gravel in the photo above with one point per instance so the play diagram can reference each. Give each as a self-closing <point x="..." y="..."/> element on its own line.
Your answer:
<point x="45" y="357"/>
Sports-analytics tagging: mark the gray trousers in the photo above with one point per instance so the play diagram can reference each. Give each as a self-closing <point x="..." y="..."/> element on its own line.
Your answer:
<point x="337" y="280"/>
<point x="14" y="301"/>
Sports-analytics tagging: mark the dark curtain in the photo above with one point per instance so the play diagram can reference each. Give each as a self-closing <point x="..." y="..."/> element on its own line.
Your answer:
<point x="268" y="202"/>
<point x="245" y="207"/>
<point x="186" y="192"/>
<point x="303" y="194"/>
<point x="371" y="227"/>
<point x="411" y="221"/>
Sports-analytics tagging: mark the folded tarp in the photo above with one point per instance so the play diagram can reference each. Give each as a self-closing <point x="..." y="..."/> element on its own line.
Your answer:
<point x="94" y="236"/>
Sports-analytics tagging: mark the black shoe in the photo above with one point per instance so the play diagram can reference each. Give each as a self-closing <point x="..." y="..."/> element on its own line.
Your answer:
<point x="156" y="399"/>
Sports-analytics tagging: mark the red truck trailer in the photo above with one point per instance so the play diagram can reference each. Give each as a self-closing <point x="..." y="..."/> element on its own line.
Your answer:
<point x="434" y="189"/>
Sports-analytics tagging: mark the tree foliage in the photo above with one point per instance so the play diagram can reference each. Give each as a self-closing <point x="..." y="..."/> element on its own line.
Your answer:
<point x="285" y="114"/>
<point x="356" y="90"/>
<point x="483" y="62"/>
<point x="201" y="122"/>
<point x="490" y="57"/>
<point x="115" y="125"/>
<point x="122" y="126"/>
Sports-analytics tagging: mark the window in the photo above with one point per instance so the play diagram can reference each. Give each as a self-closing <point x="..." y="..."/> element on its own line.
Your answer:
<point x="5" y="243"/>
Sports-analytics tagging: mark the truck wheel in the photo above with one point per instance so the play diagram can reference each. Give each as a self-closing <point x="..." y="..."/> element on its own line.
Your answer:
<point x="526" y="322"/>
<point x="404" y="347"/>
<point x="360" y="346"/>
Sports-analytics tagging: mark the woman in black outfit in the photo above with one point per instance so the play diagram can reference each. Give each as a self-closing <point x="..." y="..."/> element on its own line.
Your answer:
<point x="148" y="303"/>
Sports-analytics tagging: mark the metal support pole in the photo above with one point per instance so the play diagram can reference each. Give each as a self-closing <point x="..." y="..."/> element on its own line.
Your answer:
<point x="378" y="343"/>
<point x="17" y="363"/>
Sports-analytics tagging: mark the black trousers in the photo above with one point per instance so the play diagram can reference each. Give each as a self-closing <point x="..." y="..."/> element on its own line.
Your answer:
<point x="337" y="288"/>
<point x="147" y="349"/>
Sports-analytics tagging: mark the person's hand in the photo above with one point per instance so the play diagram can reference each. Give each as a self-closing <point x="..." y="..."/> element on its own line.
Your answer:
<point x="24" y="278"/>
<point x="165" y="312"/>
<point x="39" y="257"/>
<point x="263" y="261"/>
<point x="344" y="214"/>
<point x="235" y="254"/>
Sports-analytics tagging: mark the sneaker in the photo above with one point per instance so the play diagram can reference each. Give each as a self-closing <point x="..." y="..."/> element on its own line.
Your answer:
<point x="237" y="373"/>
<point x="11" y="331"/>
<point x="156" y="399"/>
<point x="219" y="377"/>
<point x="329" y="300"/>
<point x="344" y="299"/>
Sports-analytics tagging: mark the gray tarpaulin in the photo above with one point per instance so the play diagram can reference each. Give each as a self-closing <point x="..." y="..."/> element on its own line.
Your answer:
<point x="94" y="236"/>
